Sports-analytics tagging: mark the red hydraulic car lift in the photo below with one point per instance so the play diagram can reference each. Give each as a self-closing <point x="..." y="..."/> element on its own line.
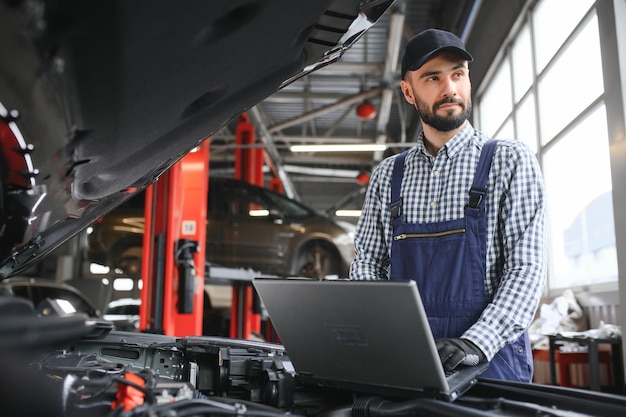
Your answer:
<point x="175" y="231"/>
<point x="245" y="316"/>
<point x="172" y="296"/>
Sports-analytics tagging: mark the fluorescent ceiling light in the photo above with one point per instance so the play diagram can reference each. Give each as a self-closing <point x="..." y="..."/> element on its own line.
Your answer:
<point x="348" y="213"/>
<point x="322" y="172"/>
<point x="363" y="147"/>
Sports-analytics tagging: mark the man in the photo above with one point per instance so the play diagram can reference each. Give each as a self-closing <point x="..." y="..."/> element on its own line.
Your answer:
<point x="471" y="236"/>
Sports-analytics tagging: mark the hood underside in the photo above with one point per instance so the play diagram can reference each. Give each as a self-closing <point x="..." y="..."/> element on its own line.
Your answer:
<point x="98" y="98"/>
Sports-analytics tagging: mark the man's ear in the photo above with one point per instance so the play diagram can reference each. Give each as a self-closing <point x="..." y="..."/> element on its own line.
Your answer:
<point x="407" y="91"/>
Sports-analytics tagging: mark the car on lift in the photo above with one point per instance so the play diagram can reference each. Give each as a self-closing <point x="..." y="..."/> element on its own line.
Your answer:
<point x="49" y="297"/>
<point x="97" y="100"/>
<point x="247" y="227"/>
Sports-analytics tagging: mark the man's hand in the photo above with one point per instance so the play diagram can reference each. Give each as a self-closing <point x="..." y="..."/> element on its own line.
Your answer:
<point x="455" y="352"/>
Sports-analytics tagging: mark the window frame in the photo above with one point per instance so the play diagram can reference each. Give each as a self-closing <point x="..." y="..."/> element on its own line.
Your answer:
<point x="608" y="13"/>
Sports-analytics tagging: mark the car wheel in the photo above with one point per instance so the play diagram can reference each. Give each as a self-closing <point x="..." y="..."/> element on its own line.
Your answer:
<point x="317" y="260"/>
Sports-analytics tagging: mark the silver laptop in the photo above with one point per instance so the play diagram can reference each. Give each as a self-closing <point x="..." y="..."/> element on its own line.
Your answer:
<point x="370" y="336"/>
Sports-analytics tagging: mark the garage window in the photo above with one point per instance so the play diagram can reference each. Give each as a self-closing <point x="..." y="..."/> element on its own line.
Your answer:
<point x="548" y="90"/>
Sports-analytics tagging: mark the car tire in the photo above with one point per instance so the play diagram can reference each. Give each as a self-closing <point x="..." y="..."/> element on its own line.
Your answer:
<point x="317" y="260"/>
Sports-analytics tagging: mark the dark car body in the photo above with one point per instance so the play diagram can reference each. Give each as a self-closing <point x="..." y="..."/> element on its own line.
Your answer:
<point x="97" y="100"/>
<point x="247" y="227"/>
<point x="50" y="297"/>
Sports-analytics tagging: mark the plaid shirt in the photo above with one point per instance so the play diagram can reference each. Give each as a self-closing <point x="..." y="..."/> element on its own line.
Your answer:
<point x="436" y="189"/>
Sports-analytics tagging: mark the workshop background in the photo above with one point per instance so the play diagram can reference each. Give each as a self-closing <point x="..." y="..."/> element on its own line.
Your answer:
<point x="547" y="72"/>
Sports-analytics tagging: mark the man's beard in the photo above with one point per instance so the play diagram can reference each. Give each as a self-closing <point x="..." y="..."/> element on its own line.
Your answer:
<point x="443" y="123"/>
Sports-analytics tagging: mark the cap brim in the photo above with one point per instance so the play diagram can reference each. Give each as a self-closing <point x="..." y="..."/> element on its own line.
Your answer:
<point x="418" y="64"/>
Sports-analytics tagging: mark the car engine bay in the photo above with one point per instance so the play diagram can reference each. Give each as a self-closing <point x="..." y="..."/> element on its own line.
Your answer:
<point x="74" y="366"/>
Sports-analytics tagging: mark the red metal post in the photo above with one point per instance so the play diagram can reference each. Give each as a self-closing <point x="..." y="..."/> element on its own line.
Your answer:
<point x="175" y="216"/>
<point x="248" y="156"/>
<point x="248" y="167"/>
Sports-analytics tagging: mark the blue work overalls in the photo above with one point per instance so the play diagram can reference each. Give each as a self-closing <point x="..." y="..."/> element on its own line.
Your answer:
<point x="448" y="261"/>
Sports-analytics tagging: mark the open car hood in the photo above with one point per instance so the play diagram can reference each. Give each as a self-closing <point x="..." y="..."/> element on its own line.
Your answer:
<point x="98" y="98"/>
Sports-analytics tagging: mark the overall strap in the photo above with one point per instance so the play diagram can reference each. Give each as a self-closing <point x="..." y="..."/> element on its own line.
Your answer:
<point x="396" y="183"/>
<point x="479" y="187"/>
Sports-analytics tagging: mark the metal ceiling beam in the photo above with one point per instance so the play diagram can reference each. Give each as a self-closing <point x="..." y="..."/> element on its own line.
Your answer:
<point x="272" y="152"/>
<point x="322" y="139"/>
<point x="322" y="172"/>
<point x="350" y="68"/>
<point x="396" y="28"/>
<point x="305" y="117"/>
<point x="471" y="19"/>
<point x="296" y="97"/>
<point x="291" y="139"/>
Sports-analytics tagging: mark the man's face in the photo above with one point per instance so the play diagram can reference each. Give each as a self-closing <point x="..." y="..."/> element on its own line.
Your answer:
<point x="440" y="91"/>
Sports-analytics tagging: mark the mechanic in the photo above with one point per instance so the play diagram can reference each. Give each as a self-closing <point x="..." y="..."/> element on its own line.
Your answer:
<point x="474" y="243"/>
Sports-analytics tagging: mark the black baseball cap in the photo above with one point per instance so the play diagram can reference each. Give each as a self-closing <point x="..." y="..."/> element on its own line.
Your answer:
<point x="427" y="44"/>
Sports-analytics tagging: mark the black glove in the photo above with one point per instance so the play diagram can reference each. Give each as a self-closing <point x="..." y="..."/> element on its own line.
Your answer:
<point x="455" y="352"/>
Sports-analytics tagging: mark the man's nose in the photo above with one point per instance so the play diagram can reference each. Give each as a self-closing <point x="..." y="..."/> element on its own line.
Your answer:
<point x="449" y="88"/>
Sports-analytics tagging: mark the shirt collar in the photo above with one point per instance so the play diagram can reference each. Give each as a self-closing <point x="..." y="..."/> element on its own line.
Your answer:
<point x="453" y="146"/>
